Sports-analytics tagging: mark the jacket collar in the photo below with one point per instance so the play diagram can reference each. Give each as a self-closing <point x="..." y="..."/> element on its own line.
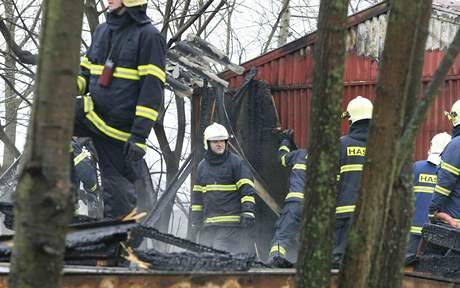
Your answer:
<point x="360" y="130"/>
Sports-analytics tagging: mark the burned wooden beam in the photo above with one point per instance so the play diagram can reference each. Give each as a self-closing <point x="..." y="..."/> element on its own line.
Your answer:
<point x="181" y="89"/>
<point x="187" y="261"/>
<point x="214" y="53"/>
<point x="197" y="68"/>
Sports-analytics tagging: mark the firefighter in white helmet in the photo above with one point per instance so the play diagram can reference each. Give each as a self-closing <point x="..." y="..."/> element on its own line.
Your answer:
<point x="223" y="202"/>
<point x="424" y="183"/>
<point x="445" y="203"/>
<point x="121" y="82"/>
<point x="352" y="156"/>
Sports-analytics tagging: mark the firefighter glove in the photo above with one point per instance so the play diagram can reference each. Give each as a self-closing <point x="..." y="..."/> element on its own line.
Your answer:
<point x="288" y="134"/>
<point x="134" y="150"/>
<point x="247" y="219"/>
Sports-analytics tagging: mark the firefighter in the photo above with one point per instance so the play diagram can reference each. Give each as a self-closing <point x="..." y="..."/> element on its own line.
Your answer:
<point x="122" y="80"/>
<point x="424" y="183"/>
<point x="284" y="246"/>
<point x="352" y="156"/>
<point x="223" y="203"/>
<point x="445" y="202"/>
<point x="86" y="173"/>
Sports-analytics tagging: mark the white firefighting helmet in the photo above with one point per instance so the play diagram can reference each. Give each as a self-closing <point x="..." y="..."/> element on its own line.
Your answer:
<point x="438" y="143"/>
<point x="454" y="114"/>
<point x="214" y="131"/>
<point x="358" y="109"/>
<point x="132" y="3"/>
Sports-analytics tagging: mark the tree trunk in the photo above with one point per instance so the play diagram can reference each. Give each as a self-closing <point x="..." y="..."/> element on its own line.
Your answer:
<point x="42" y="201"/>
<point x="317" y="227"/>
<point x="395" y="75"/>
<point x="11" y="100"/>
<point x="401" y="204"/>
<point x="284" y="24"/>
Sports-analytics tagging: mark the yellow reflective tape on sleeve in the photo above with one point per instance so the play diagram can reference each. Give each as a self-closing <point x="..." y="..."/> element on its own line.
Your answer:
<point x="423" y="189"/>
<point x="198" y="188"/>
<point x="450" y="168"/>
<point x="284" y="148"/>
<point x="106" y="129"/>
<point x="294" y="195"/>
<point x="338" y="177"/>
<point x="146" y="112"/>
<point x="416" y="229"/>
<point x="197" y="208"/>
<point x="300" y="166"/>
<point x="223" y="219"/>
<point x="143" y="146"/>
<point x="278" y="248"/>
<point x="244" y="181"/>
<point x="345" y="209"/>
<point x="92" y="189"/>
<point x="81" y="84"/>
<point x="85" y="63"/>
<point x="220" y="187"/>
<point x="351" y="168"/>
<point x="248" y="199"/>
<point x="442" y="190"/>
<point x="79" y="158"/>
<point x="250" y="214"/>
<point x="283" y="160"/>
<point x="152" y="70"/>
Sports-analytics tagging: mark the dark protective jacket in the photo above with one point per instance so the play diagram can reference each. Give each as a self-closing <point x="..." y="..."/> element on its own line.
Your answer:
<point x="424" y="182"/>
<point x="352" y="157"/>
<point x="129" y="106"/>
<point x="446" y="196"/>
<point x="295" y="160"/>
<point x="223" y="190"/>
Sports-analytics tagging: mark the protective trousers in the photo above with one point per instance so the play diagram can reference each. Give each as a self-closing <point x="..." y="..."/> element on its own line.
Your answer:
<point x="233" y="239"/>
<point x="118" y="176"/>
<point x="342" y="225"/>
<point x="285" y="242"/>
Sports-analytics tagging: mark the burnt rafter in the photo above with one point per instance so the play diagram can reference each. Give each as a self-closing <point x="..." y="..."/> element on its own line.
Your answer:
<point x="191" y="61"/>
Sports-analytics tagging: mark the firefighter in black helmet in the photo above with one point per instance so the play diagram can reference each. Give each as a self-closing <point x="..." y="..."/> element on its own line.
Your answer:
<point x="223" y="202"/>
<point x="121" y="82"/>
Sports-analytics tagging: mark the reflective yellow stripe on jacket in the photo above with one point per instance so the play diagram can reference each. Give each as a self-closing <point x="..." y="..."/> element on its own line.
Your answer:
<point x="197" y="208"/>
<point x="450" y="168"/>
<point x="244" y="181"/>
<point x="294" y="195"/>
<point x="100" y="124"/>
<point x="416" y="229"/>
<point x="423" y="189"/>
<point x="442" y="190"/>
<point x="248" y="199"/>
<point x="345" y="209"/>
<point x="146" y="112"/>
<point x="126" y="73"/>
<point x="351" y="167"/>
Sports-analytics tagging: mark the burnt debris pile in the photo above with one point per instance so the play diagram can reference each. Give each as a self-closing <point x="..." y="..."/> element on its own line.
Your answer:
<point x="439" y="251"/>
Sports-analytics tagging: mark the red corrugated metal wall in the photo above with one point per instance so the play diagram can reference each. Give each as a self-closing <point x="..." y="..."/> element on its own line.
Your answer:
<point x="290" y="76"/>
